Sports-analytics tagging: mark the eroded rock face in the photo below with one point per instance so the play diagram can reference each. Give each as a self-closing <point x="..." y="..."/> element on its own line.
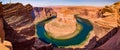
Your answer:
<point x="43" y="12"/>
<point x="109" y="19"/>
<point x="4" y="45"/>
<point x="39" y="45"/>
<point x="87" y="12"/>
<point x="111" y="15"/>
<point x="19" y="27"/>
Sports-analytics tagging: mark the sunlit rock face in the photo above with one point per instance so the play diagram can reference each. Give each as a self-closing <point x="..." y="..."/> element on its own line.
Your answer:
<point x="111" y="14"/>
<point x="88" y="12"/>
<point x="6" y="45"/>
<point x="63" y="25"/>
<point x="108" y="18"/>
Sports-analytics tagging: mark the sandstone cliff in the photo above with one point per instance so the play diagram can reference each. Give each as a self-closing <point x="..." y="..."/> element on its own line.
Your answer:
<point x="110" y="14"/>
<point x="19" y="27"/>
<point x="43" y="12"/>
<point x="109" y="18"/>
<point x="4" y="45"/>
<point x="88" y="12"/>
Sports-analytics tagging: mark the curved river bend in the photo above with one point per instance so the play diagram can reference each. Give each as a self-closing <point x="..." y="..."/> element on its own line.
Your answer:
<point x="79" y="38"/>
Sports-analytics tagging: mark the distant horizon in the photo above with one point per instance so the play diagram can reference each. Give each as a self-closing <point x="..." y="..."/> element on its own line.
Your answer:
<point x="47" y="3"/>
<point x="60" y="5"/>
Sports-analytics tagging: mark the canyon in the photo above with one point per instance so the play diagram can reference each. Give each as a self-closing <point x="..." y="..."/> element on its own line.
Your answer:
<point x="18" y="24"/>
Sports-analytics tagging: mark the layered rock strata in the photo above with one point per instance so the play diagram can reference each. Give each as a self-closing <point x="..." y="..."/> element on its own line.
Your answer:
<point x="19" y="27"/>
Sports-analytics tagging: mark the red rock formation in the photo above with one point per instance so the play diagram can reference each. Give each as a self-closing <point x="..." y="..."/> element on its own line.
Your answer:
<point x="84" y="11"/>
<point x="4" y="45"/>
<point x="42" y="13"/>
<point x="19" y="27"/>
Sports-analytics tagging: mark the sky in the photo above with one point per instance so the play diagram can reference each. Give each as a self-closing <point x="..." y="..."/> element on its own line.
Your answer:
<point x="42" y="3"/>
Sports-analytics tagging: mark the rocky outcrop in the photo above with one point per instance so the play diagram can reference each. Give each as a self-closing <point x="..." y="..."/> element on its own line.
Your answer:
<point x="43" y="12"/>
<point x="106" y="20"/>
<point x="109" y="19"/>
<point x="19" y="27"/>
<point x="4" y="45"/>
<point x="110" y="14"/>
<point x="39" y="45"/>
<point x="88" y="12"/>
